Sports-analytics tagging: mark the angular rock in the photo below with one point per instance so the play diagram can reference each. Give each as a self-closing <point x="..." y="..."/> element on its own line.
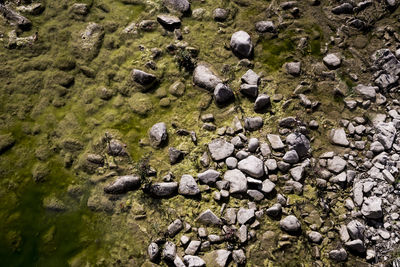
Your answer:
<point x="265" y="26"/>
<point x="267" y="186"/>
<point x="241" y="44"/>
<point x="175" y="227"/>
<point x="218" y="258"/>
<point x="175" y="155"/>
<point x="345" y="8"/>
<point x="291" y="157"/>
<point x="300" y="143"/>
<point x="153" y="251"/>
<point x="372" y="208"/>
<point x="332" y="61"/>
<point x="205" y="78"/>
<point x="220" y="14"/>
<point x="245" y="215"/>
<point x="250" y="77"/>
<point x="252" y="165"/>
<point x="275" y="211"/>
<point x="169" y="22"/>
<point x="276" y="142"/>
<point x="188" y="186"/>
<point x="293" y="68"/>
<point x="356" y="230"/>
<point x="169" y="251"/>
<point x="338" y="255"/>
<point x="14" y="18"/>
<point x="239" y="257"/>
<point x="262" y="102"/>
<point x="338" y="137"/>
<point x="253" y="123"/>
<point x="223" y="94"/>
<point x="386" y="133"/>
<point x="356" y="245"/>
<point x="220" y="149"/>
<point x="237" y="181"/>
<point x="194" y="261"/>
<point x="208" y="218"/>
<point x="123" y="184"/>
<point x="209" y="176"/>
<point x="366" y="92"/>
<point x="336" y="164"/>
<point x="193" y="247"/>
<point x="249" y="90"/>
<point x="158" y="134"/>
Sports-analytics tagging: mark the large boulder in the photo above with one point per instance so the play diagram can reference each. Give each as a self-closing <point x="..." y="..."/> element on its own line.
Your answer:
<point x="241" y="44"/>
<point x="252" y="165"/>
<point x="123" y="184"/>
<point x="220" y="149"/>
<point x="158" y="134"/>
<point x="205" y="78"/>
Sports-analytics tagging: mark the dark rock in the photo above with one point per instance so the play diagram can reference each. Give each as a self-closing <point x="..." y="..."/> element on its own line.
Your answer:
<point x="253" y="123"/>
<point x="164" y="189"/>
<point x="143" y="78"/>
<point x="223" y="94"/>
<point x="249" y="90"/>
<point x="262" y="102"/>
<point x="175" y="155"/>
<point x="299" y="143"/>
<point x="169" y="22"/>
<point x="345" y="8"/>
<point x="205" y="78"/>
<point x="123" y="184"/>
<point x="14" y="18"/>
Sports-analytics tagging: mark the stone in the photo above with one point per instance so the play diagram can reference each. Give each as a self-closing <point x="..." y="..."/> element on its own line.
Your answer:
<point x="220" y="14"/>
<point x="178" y="262"/>
<point x="332" y="61"/>
<point x="177" y="89"/>
<point x="220" y="149"/>
<point x="231" y="163"/>
<point x="209" y="176"/>
<point x="158" y="134"/>
<point x="290" y="224"/>
<point x="265" y="26"/>
<point x="241" y="44"/>
<point x="267" y="186"/>
<point x="338" y="255"/>
<point x="345" y="8"/>
<point x="356" y="245"/>
<point x="169" y="251"/>
<point x="143" y="78"/>
<point x="297" y="172"/>
<point x="336" y="164"/>
<point x="386" y="133"/>
<point x="194" y="261"/>
<point x="153" y="251"/>
<point x="250" y="77"/>
<point x="252" y="166"/>
<point x="169" y="22"/>
<point x="338" y="137"/>
<point x="249" y="90"/>
<point x="366" y="92"/>
<point x="300" y="143"/>
<point x="175" y="155"/>
<point x="372" y="208"/>
<point x="291" y="157"/>
<point x="123" y="184"/>
<point x="388" y="177"/>
<point x="223" y="94"/>
<point x="188" y="186"/>
<point x="182" y="6"/>
<point x="293" y="68"/>
<point x="205" y="78"/>
<point x="314" y="237"/>
<point x="356" y="230"/>
<point x="218" y="258"/>
<point x="166" y="189"/>
<point x="253" y="144"/>
<point x="207" y="217"/>
<point x="262" y="102"/>
<point x="275" y="141"/>
<point x="237" y="181"/>
<point x="15" y="18"/>
<point x="245" y="216"/>
<point x="239" y="257"/>
<point x="255" y="194"/>
<point x="193" y="247"/>
<point x="253" y="123"/>
<point x="175" y="227"/>
<point x="275" y="210"/>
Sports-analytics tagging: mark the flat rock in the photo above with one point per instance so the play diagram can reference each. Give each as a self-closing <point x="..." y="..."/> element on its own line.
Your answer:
<point x="252" y="165"/>
<point x="366" y="92"/>
<point x="220" y="149"/>
<point x="209" y="176"/>
<point x="338" y="255"/>
<point x="217" y="258"/>
<point x="169" y="22"/>
<point x="276" y="142"/>
<point x="300" y="143"/>
<point x="253" y="123"/>
<point x="208" y="218"/>
<point x="175" y="227"/>
<point x="188" y="186"/>
<point x="164" y="189"/>
<point x="143" y="78"/>
<point x="265" y="26"/>
<point x="338" y="137"/>
<point x="237" y="181"/>
<point x="205" y="78"/>
<point x="245" y="215"/>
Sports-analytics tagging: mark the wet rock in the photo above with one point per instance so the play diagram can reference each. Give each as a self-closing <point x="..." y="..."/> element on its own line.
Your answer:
<point x="175" y="227"/>
<point x="166" y="189"/>
<point x="291" y="157"/>
<point x="143" y="78"/>
<point x="293" y="68"/>
<point x="158" y="134"/>
<point x="153" y="251"/>
<point x="169" y="22"/>
<point x="250" y="77"/>
<point x="123" y="184"/>
<point x="193" y="261"/>
<point x="366" y="92"/>
<point x="252" y="165"/>
<point x="237" y="181"/>
<point x="6" y="142"/>
<point x="372" y="208"/>
<point x="209" y="176"/>
<point x="89" y="41"/>
<point x="338" y="137"/>
<point x="218" y="258"/>
<point x="14" y="18"/>
<point x="249" y="90"/>
<point x="332" y="61"/>
<point x="220" y="14"/>
<point x="223" y="94"/>
<point x="253" y="123"/>
<point x="336" y="164"/>
<point x="275" y="211"/>
<point x="267" y="186"/>
<point x="345" y="8"/>
<point x="175" y="155"/>
<point x="203" y="77"/>
<point x="220" y="149"/>
<point x="356" y="245"/>
<point x="300" y="143"/>
<point x="275" y="141"/>
<point x="338" y="255"/>
<point x="169" y="251"/>
<point x="208" y="218"/>
<point x="188" y="186"/>
<point x="193" y="247"/>
<point x="182" y="6"/>
<point x="386" y="133"/>
<point x="239" y="257"/>
<point x="265" y="26"/>
<point x="262" y="102"/>
<point x="241" y="44"/>
<point x="290" y="224"/>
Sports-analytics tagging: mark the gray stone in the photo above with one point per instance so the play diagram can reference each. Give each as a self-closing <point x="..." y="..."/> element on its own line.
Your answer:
<point x="338" y="137"/>
<point x="239" y="257"/>
<point x="182" y="6"/>
<point x="267" y="186"/>
<point x="175" y="155"/>
<point x="388" y="177"/>
<point x="345" y="8"/>
<point x="169" y="251"/>
<point x="366" y="92"/>
<point x="300" y="143"/>
<point x="372" y="208"/>
<point x="164" y="189"/>
<point x="237" y="181"/>
<point x="249" y="90"/>
<point x="158" y="134"/>
<point x="188" y="186"/>
<point x="245" y="215"/>
<point x="253" y="166"/>
<point x="275" y="141"/>
<point x="293" y="68"/>
<point x="338" y="255"/>
<point x="241" y="44"/>
<point x="262" y="102"/>
<point x="223" y="94"/>
<point x="205" y="78"/>
<point x="175" y="227"/>
<point x="255" y="194"/>
<point x="253" y="123"/>
<point x="314" y="237"/>
<point x="231" y="163"/>
<point x="332" y="61"/>
<point x="356" y="230"/>
<point x="297" y="172"/>
<point x="253" y="144"/>
<point x="290" y="224"/>
<point x="356" y="245"/>
<point x="271" y="165"/>
<point x="336" y="164"/>
<point x="208" y="218"/>
<point x="194" y="261"/>
<point x="220" y="149"/>
<point x="193" y="247"/>
<point x="265" y="26"/>
<point x="220" y="14"/>
<point x="386" y="133"/>
<point x="169" y="22"/>
<point x="153" y="251"/>
<point x="178" y="262"/>
<point x="291" y="157"/>
<point x="123" y="184"/>
<point x="275" y="210"/>
<point x="230" y="216"/>
<point x="209" y="176"/>
<point x="143" y="78"/>
<point x="250" y="77"/>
